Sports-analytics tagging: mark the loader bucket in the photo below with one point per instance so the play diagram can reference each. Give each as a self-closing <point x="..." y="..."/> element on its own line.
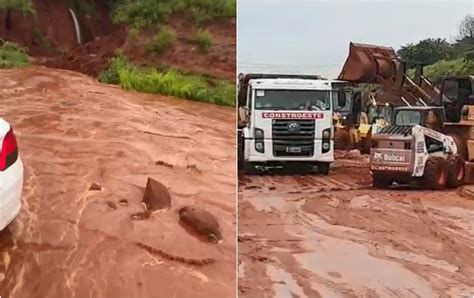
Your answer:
<point x="372" y="64"/>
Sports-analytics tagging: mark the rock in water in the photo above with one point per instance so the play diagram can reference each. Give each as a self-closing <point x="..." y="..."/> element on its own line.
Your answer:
<point x="156" y="196"/>
<point x="202" y="222"/>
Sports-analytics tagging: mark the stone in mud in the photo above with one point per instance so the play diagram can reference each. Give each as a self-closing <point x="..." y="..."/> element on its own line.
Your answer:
<point x="467" y="192"/>
<point x="95" y="187"/>
<point x="156" y="196"/>
<point x="202" y="222"/>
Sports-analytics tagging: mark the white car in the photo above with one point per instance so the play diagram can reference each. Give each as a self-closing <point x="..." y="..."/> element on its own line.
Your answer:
<point x="11" y="175"/>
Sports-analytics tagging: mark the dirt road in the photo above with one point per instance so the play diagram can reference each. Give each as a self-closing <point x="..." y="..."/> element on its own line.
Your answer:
<point x="334" y="236"/>
<point x="69" y="241"/>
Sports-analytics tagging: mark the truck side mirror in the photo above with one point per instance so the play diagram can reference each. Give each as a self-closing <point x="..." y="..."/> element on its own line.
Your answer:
<point x="341" y="98"/>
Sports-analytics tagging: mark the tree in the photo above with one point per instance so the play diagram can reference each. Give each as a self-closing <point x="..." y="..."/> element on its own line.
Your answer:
<point x="425" y="52"/>
<point x="466" y="27"/>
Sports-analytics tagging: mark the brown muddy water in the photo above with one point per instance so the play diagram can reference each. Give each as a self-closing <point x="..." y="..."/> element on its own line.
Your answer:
<point x="70" y="241"/>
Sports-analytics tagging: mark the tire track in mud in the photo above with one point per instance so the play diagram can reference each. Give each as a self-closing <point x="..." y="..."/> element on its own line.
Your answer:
<point x="302" y="219"/>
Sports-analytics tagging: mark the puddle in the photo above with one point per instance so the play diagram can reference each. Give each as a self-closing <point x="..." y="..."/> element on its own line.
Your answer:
<point x="284" y="285"/>
<point x="360" y="271"/>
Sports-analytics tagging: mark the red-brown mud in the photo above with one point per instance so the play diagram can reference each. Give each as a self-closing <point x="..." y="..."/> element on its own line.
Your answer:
<point x="334" y="236"/>
<point x="73" y="241"/>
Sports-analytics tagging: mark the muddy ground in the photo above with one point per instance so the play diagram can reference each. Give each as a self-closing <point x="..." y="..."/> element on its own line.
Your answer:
<point x="70" y="241"/>
<point x="334" y="236"/>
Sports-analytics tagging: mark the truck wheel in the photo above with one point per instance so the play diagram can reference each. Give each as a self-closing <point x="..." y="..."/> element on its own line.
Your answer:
<point x="240" y="154"/>
<point x="381" y="182"/>
<point x="457" y="171"/>
<point x="436" y="173"/>
<point x="323" y="168"/>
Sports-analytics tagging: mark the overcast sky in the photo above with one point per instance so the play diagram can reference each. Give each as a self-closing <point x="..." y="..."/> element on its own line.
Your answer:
<point x="312" y="36"/>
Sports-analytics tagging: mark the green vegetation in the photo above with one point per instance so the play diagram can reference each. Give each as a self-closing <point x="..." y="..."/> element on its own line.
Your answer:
<point x="459" y="67"/>
<point x="133" y="34"/>
<point x="144" y="13"/>
<point x="40" y="39"/>
<point x="12" y="55"/>
<point x="169" y="82"/>
<point x="204" y="40"/>
<point x="163" y="40"/>
<point x="441" y="57"/>
<point x="25" y="6"/>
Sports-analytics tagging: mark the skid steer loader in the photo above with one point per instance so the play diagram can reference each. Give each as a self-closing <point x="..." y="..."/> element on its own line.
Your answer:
<point x="454" y="95"/>
<point x="414" y="149"/>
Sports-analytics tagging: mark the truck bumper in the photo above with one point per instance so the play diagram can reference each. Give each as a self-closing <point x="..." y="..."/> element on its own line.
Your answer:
<point x="252" y="155"/>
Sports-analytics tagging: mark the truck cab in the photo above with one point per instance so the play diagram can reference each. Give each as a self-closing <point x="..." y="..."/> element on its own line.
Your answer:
<point x="285" y="119"/>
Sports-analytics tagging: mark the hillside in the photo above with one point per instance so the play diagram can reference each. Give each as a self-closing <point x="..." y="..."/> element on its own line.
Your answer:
<point x="188" y="37"/>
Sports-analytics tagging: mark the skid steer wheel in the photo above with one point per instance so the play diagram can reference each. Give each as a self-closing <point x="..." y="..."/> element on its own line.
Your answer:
<point x="381" y="182"/>
<point x="436" y="173"/>
<point x="457" y="171"/>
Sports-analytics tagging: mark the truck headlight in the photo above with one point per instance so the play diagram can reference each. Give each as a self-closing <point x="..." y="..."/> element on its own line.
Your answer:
<point x="259" y="133"/>
<point x="259" y="146"/>
<point x="326" y="146"/>
<point x="326" y="134"/>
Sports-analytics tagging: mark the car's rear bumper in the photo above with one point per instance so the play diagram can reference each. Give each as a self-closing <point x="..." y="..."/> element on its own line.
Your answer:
<point x="10" y="193"/>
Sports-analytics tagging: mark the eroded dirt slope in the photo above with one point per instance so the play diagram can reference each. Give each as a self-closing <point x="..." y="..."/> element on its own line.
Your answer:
<point x="69" y="241"/>
<point x="334" y="236"/>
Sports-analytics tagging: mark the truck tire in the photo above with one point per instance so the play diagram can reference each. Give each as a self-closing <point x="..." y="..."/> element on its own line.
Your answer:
<point x="457" y="171"/>
<point x="436" y="173"/>
<point x="381" y="182"/>
<point x="323" y="168"/>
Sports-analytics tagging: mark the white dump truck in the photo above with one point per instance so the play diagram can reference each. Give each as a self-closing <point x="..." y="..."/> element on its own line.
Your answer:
<point x="285" y="119"/>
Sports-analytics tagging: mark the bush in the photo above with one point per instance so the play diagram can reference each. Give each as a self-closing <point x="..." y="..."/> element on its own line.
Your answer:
<point x="133" y="34"/>
<point x="174" y="83"/>
<point x="25" y="6"/>
<point x="204" y="40"/>
<point x="204" y="10"/>
<point x="12" y="55"/>
<point x="111" y="74"/>
<point x="163" y="40"/>
<point x="142" y="13"/>
<point x="169" y="82"/>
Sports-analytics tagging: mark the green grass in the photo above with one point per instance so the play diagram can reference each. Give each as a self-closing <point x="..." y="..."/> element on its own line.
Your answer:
<point x="459" y="67"/>
<point x="204" y="40"/>
<point x="25" y="6"/>
<point x="144" y="13"/>
<point x="169" y="82"/>
<point x="163" y="40"/>
<point x="12" y="55"/>
<point x="205" y="10"/>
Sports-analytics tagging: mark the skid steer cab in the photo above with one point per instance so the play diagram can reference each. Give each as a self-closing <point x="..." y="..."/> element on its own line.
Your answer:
<point x="414" y="149"/>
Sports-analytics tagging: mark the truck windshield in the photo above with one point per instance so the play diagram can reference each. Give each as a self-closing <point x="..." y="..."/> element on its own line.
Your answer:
<point x="408" y="118"/>
<point x="310" y="100"/>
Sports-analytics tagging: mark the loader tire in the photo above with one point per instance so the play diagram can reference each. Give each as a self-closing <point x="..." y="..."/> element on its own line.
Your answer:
<point x="342" y="140"/>
<point x="381" y="182"/>
<point x="461" y="144"/>
<point x="457" y="171"/>
<point x="436" y="173"/>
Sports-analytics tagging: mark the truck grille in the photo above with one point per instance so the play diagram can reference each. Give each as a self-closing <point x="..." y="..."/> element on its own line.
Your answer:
<point x="287" y="139"/>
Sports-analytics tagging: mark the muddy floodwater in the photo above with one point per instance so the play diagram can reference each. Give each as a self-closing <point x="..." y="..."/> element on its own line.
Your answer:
<point x="71" y="241"/>
<point x="335" y="236"/>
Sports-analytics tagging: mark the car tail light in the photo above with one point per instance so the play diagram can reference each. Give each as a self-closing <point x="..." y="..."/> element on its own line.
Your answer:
<point x="9" y="151"/>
